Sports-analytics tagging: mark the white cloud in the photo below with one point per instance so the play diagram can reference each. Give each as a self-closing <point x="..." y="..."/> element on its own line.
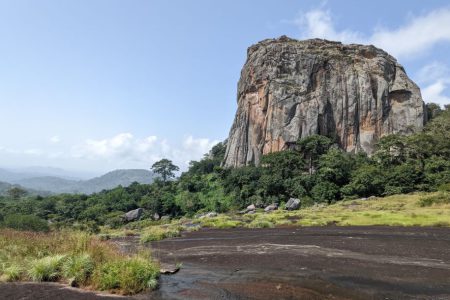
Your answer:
<point x="124" y="149"/>
<point x="435" y="92"/>
<point x="13" y="151"/>
<point x="55" y="139"/>
<point x="318" y="23"/>
<point x="432" y="72"/>
<point x="33" y="151"/>
<point x="436" y="79"/>
<point x="415" y="37"/>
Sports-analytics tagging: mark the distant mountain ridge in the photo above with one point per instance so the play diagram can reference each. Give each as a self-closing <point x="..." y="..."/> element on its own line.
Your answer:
<point x="5" y="187"/>
<point x="56" y="184"/>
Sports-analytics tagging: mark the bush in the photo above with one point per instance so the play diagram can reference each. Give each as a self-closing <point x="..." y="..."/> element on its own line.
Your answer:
<point x="47" y="268"/>
<point x="25" y="222"/>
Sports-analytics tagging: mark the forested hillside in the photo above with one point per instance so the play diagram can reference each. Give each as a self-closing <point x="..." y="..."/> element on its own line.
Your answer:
<point x="316" y="171"/>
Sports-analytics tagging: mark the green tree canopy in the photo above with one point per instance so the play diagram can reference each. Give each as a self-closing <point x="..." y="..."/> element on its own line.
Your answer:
<point x="16" y="192"/>
<point x="165" y="168"/>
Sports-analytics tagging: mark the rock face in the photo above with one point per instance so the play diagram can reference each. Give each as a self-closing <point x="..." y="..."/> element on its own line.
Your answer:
<point x="291" y="89"/>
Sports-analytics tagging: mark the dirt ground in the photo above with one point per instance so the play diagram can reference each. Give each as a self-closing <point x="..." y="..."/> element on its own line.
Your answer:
<point x="291" y="263"/>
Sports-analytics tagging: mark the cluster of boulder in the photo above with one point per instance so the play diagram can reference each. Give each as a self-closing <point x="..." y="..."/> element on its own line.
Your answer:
<point x="292" y="204"/>
<point x="207" y="215"/>
<point x="136" y="214"/>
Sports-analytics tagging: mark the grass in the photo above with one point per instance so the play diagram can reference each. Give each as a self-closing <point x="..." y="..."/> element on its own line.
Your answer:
<point x="418" y="209"/>
<point x="130" y="275"/>
<point x="435" y="199"/>
<point x="47" y="268"/>
<point x="74" y="257"/>
<point x="157" y="233"/>
<point x="260" y="224"/>
<point x="397" y="210"/>
<point x="220" y="221"/>
<point x="78" y="268"/>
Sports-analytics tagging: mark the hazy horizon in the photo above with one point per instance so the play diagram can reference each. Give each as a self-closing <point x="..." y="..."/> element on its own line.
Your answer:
<point x="94" y="86"/>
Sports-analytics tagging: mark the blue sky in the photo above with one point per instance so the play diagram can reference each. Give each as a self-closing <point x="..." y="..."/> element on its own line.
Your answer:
<point x="102" y="84"/>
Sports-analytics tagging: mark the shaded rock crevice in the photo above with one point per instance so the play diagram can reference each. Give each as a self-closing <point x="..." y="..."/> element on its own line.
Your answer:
<point x="291" y="89"/>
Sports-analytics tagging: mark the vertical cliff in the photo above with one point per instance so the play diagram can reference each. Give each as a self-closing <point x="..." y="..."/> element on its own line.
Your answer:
<point x="291" y="89"/>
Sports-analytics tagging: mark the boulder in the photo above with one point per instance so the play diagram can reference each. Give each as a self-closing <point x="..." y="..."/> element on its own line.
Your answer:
<point x="207" y="215"/>
<point x="165" y="218"/>
<point x="271" y="207"/>
<point x="133" y="215"/>
<point x="292" y="204"/>
<point x="250" y="208"/>
<point x="156" y="216"/>
<point x="211" y="214"/>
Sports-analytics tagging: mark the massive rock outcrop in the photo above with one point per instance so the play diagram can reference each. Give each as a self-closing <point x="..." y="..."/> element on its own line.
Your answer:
<point x="291" y="89"/>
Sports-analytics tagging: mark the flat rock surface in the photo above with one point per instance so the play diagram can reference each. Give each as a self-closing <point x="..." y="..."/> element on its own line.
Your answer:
<point x="309" y="263"/>
<point x="291" y="263"/>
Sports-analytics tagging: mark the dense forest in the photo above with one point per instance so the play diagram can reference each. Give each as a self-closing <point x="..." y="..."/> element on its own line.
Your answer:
<point x="315" y="171"/>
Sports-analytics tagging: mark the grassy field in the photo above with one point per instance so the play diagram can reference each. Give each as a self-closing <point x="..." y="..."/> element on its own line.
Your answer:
<point x="76" y="258"/>
<point x="398" y="210"/>
<point x="419" y="209"/>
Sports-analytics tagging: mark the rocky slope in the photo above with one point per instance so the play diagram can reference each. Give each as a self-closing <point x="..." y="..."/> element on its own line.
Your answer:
<point x="291" y="89"/>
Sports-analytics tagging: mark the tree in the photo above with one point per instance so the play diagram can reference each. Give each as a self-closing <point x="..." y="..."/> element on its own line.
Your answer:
<point x="336" y="166"/>
<point x="16" y="192"/>
<point x="165" y="168"/>
<point x="391" y="150"/>
<point x="366" y="181"/>
<point x="312" y="147"/>
<point x="433" y="110"/>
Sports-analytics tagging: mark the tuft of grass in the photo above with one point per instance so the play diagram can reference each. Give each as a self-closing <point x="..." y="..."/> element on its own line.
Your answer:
<point x="47" y="268"/>
<point x="157" y="233"/>
<point x="260" y="224"/>
<point x="221" y="222"/>
<point x="78" y="268"/>
<point x="130" y="276"/>
<point x="11" y="273"/>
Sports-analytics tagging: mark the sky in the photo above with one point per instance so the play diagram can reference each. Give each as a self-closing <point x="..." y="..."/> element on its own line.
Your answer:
<point x="97" y="85"/>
